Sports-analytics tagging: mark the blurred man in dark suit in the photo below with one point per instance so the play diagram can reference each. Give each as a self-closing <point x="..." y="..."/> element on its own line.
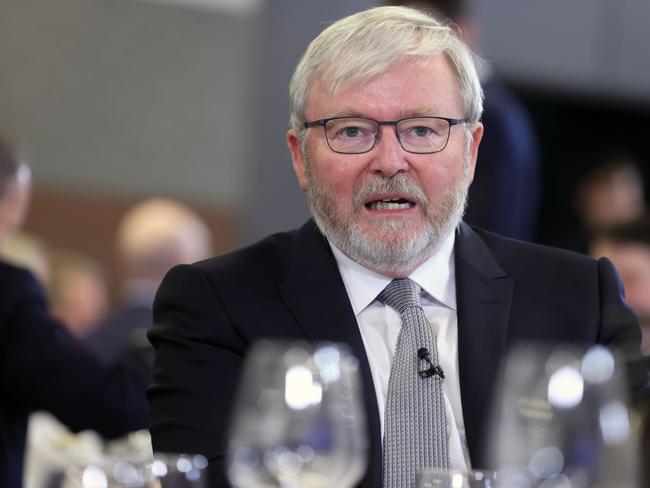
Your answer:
<point x="152" y="237"/>
<point x="506" y="191"/>
<point x="384" y="137"/>
<point x="627" y="245"/>
<point x="41" y="366"/>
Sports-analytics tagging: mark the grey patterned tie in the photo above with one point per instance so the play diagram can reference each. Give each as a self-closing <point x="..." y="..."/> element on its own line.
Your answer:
<point x="415" y="428"/>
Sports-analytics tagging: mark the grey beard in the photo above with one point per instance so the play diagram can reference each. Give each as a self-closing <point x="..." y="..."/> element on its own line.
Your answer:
<point x="393" y="254"/>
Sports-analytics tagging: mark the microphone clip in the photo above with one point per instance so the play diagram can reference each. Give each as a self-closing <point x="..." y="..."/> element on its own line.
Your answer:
<point x="423" y="354"/>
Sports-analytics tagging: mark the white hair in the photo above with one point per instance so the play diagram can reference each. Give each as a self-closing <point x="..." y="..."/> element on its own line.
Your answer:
<point x="357" y="48"/>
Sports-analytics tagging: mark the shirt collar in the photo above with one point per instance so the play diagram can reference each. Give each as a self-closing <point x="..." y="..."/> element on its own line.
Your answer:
<point x="436" y="276"/>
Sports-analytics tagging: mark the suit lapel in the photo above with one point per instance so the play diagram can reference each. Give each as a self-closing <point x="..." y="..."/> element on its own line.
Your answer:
<point x="314" y="292"/>
<point x="484" y="297"/>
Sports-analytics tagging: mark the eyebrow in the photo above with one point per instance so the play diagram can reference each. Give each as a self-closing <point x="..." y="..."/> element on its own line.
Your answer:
<point x="421" y="112"/>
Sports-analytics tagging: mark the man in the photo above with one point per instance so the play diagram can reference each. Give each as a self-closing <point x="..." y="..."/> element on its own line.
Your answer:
<point x="152" y="236"/>
<point x="385" y="109"/>
<point x="505" y="194"/>
<point x="41" y="366"/>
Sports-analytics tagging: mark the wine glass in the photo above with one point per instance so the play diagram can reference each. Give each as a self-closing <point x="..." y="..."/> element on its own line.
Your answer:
<point x="162" y="471"/>
<point x="563" y="420"/>
<point x="299" y="421"/>
<point x="449" y="478"/>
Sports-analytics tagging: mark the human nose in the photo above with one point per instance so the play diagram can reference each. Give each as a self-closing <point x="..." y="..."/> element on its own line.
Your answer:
<point x="389" y="158"/>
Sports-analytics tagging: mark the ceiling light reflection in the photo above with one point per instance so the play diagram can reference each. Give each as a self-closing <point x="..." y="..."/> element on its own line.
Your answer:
<point x="597" y="366"/>
<point x="565" y="388"/>
<point x="614" y="422"/>
<point x="301" y="390"/>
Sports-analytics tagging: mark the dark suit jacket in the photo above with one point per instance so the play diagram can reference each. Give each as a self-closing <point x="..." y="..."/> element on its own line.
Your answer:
<point x="288" y="286"/>
<point x="117" y="333"/>
<point x="43" y="368"/>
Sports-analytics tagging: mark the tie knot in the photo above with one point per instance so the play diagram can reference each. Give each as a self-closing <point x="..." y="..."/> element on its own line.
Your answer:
<point x="401" y="294"/>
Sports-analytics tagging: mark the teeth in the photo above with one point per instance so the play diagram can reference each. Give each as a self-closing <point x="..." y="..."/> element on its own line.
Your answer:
<point x="389" y="205"/>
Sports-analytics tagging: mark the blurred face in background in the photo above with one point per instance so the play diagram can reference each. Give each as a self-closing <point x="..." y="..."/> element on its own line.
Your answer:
<point x="79" y="293"/>
<point x="349" y="194"/>
<point x="611" y="198"/>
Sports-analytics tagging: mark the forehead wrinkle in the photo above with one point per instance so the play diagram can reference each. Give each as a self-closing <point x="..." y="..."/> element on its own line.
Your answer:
<point x="347" y="112"/>
<point x="430" y="111"/>
<point x="402" y="114"/>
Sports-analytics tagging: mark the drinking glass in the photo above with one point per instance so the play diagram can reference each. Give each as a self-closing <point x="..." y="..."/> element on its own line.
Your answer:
<point x="299" y="420"/>
<point x="563" y="420"/>
<point x="162" y="471"/>
<point x="449" y="478"/>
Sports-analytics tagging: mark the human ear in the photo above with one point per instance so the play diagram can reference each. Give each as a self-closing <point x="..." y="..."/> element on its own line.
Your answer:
<point x="297" y="158"/>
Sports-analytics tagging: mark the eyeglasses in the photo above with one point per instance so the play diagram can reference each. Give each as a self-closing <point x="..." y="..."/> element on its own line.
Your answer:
<point x="358" y="135"/>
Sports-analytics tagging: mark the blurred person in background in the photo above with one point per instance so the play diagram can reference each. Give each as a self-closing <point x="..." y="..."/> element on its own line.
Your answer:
<point x="628" y="247"/>
<point x="611" y="193"/>
<point x="41" y="364"/>
<point x="505" y="194"/>
<point x="79" y="299"/>
<point x="78" y="291"/>
<point x="152" y="237"/>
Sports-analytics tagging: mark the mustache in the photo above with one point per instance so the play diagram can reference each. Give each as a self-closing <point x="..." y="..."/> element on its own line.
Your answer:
<point x="399" y="183"/>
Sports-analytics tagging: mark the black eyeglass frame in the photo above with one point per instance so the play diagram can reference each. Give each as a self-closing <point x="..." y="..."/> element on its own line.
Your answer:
<point x="450" y="121"/>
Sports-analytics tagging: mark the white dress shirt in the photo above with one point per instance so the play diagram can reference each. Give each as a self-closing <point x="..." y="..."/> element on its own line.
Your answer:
<point x="379" y="325"/>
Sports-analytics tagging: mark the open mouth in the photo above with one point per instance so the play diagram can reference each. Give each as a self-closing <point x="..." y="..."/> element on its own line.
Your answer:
<point x="390" y="204"/>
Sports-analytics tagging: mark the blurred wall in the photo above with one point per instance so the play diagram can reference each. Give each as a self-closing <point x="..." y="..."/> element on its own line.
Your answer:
<point x="127" y="96"/>
<point x="592" y="47"/>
